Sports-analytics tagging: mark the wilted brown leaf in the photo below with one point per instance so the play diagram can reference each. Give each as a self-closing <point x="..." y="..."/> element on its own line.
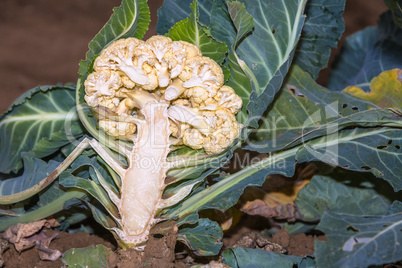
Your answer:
<point x="275" y="198"/>
<point x="28" y="235"/>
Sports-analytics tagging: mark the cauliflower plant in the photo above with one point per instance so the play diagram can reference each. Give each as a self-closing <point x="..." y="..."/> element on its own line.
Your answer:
<point x="158" y="93"/>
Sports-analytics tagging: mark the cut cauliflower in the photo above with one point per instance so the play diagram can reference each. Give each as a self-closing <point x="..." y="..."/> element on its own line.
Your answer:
<point x="130" y="73"/>
<point x="156" y="93"/>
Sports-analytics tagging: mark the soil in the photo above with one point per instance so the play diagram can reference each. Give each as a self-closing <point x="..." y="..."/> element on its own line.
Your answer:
<point x="163" y="251"/>
<point x="42" y="42"/>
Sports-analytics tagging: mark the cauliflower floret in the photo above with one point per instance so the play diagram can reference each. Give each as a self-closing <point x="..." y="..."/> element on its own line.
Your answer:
<point x="202" y="72"/>
<point x="193" y="138"/>
<point x="110" y="103"/>
<point x="101" y="86"/>
<point x="181" y="51"/>
<point x="152" y="77"/>
<point x="127" y="83"/>
<point x="159" y="45"/>
<point x="199" y="97"/>
<point x="183" y="102"/>
<point x="117" y="129"/>
<point x="127" y="55"/>
<point x="227" y="130"/>
<point x="227" y="98"/>
<point x="174" y="90"/>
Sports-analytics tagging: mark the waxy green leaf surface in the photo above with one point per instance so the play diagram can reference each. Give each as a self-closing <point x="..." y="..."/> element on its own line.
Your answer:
<point x="40" y="121"/>
<point x="359" y="241"/>
<point x="344" y="192"/>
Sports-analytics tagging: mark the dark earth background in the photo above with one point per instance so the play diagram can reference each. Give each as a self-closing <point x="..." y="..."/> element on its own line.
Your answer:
<point x="42" y="42"/>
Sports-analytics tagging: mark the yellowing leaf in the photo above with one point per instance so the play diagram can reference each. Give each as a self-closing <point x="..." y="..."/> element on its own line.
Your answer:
<point x="386" y="90"/>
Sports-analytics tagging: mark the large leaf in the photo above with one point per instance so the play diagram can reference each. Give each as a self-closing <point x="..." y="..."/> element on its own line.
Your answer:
<point x="222" y="27"/>
<point x="262" y="56"/>
<point x="366" y="54"/>
<point x="323" y="27"/>
<point x="358" y="241"/>
<point x="35" y="170"/>
<point x="194" y="172"/>
<point x="344" y="192"/>
<point x="190" y="30"/>
<point x="315" y="111"/>
<point x="51" y="201"/>
<point x="173" y="11"/>
<point x="247" y="257"/>
<point x="226" y="192"/>
<point x="355" y="149"/>
<point x="377" y="150"/>
<point x="40" y="121"/>
<point x="131" y="19"/>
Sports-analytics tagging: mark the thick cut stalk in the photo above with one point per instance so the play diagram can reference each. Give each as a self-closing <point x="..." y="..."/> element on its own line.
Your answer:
<point x="144" y="181"/>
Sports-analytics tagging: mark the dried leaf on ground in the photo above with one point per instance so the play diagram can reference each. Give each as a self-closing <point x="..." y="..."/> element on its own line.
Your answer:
<point x="275" y="199"/>
<point x="28" y="235"/>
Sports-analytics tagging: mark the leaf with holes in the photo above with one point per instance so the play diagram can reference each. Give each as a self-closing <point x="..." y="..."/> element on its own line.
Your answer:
<point x="45" y="119"/>
<point x="385" y="90"/>
<point x="377" y="150"/>
<point x="358" y="149"/>
<point x="359" y="241"/>
<point x="316" y="111"/>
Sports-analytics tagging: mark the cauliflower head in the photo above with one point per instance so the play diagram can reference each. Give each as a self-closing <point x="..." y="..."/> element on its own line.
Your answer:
<point x="130" y="72"/>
